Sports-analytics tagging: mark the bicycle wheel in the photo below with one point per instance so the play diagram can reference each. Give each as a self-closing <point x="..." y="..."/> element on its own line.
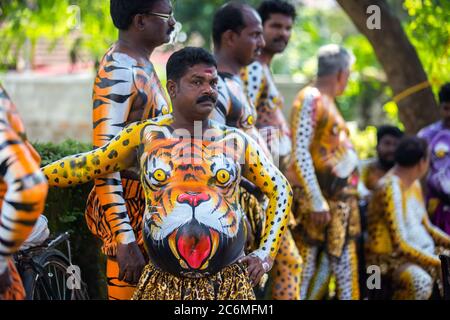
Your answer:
<point x="49" y="281"/>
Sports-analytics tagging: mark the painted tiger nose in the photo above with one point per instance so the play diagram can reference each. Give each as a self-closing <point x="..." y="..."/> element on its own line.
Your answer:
<point x="194" y="199"/>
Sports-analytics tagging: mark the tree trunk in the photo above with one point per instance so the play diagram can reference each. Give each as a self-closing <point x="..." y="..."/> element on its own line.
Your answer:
<point x="399" y="60"/>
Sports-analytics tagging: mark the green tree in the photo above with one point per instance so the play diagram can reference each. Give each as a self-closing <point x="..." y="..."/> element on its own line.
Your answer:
<point x="196" y="16"/>
<point x="398" y="56"/>
<point x="25" y="21"/>
<point x="428" y="29"/>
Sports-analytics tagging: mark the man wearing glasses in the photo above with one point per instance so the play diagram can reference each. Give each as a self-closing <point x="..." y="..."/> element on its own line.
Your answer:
<point x="126" y="90"/>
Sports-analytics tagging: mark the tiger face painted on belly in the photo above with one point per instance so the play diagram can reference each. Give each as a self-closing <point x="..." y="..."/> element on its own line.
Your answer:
<point x="194" y="224"/>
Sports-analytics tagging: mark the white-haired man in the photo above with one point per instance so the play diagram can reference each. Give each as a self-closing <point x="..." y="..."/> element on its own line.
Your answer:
<point x="323" y="170"/>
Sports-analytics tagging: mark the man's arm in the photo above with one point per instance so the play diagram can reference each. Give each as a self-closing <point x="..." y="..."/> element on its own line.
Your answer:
<point x="303" y="133"/>
<point x="394" y="215"/>
<point x="115" y="93"/>
<point x="117" y="155"/>
<point x="26" y="190"/>
<point x="439" y="236"/>
<point x="16" y="124"/>
<point x="259" y="170"/>
<point x="255" y="82"/>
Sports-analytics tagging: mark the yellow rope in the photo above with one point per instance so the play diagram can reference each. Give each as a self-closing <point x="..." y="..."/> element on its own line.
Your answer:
<point x="406" y="93"/>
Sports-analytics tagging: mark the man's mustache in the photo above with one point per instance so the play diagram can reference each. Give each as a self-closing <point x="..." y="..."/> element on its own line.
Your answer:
<point x="281" y="39"/>
<point x="207" y="98"/>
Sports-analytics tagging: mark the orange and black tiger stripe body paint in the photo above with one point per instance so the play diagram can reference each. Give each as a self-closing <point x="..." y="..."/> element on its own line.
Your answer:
<point x="23" y="190"/>
<point x="125" y="91"/>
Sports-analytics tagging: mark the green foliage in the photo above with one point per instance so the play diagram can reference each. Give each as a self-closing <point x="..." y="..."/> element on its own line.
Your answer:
<point x="429" y="31"/>
<point x="30" y="20"/>
<point x="365" y="142"/>
<point x="64" y="209"/>
<point x="88" y="24"/>
<point x="367" y="88"/>
<point x="196" y="16"/>
<point x="96" y="28"/>
<point x="51" y="152"/>
<point x="391" y="110"/>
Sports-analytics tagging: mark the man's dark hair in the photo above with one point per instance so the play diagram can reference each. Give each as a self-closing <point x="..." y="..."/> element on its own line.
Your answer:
<point x="268" y="7"/>
<point x="410" y="151"/>
<point x="386" y="130"/>
<point x="444" y="93"/>
<point x="229" y="17"/>
<point x="123" y="11"/>
<point x="180" y="61"/>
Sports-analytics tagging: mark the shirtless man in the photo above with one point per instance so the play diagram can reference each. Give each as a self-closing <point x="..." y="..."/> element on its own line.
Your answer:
<point x="23" y="190"/>
<point x="190" y="168"/>
<point x="238" y="41"/>
<point x="126" y="89"/>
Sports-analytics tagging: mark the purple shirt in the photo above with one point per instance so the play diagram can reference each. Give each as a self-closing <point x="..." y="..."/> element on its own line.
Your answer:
<point x="430" y="131"/>
<point x="438" y="178"/>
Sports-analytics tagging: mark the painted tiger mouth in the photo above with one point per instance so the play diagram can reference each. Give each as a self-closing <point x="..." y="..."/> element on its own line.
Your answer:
<point x="193" y="244"/>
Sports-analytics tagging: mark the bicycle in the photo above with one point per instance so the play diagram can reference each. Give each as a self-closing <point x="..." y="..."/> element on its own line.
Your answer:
<point x="48" y="274"/>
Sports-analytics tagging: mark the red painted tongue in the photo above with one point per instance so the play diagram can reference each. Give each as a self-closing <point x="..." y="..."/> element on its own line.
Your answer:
<point x="194" y="248"/>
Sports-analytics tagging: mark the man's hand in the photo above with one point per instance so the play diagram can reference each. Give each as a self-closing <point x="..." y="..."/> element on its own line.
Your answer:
<point x="131" y="262"/>
<point x="321" y="218"/>
<point x="256" y="268"/>
<point x="5" y="281"/>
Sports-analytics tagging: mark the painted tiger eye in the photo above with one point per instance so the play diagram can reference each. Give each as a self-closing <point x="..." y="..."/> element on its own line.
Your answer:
<point x="223" y="176"/>
<point x="160" y="175"/>
<point x="250" y="120"/>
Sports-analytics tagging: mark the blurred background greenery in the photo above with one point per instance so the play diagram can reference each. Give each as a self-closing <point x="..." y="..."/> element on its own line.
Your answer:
<point x="87" y="29"/>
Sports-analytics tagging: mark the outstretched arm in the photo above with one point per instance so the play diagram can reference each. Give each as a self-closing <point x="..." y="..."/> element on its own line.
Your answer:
<point x="115" y="156"/>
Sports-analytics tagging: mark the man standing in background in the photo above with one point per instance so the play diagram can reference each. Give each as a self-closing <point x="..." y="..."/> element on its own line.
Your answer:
<point x="126" y="90"/>
<point x="388" y="138"/>
<point x="23" y="190"/>
<point x="238" y="41"/>
<point x="323" y="173"/>
<point x="438" y="178"/>
<point x="278" y="18"/>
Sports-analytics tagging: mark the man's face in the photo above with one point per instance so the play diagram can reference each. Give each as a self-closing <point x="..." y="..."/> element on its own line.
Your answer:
<point x="445" y="112"/>
<point x="277" y="32"/>
<point x="159" y="28"/>
<point x="249" y="42"/>
<point x="196" y="92"/>
<point x="342" y="81"/>
<point x="386" y="150"/>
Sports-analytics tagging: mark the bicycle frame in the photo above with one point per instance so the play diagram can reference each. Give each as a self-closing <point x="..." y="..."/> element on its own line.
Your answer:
<point x="26" y="259"/>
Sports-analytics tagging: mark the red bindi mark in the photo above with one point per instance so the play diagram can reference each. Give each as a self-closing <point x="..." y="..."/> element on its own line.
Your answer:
<point x="209" y="70"/>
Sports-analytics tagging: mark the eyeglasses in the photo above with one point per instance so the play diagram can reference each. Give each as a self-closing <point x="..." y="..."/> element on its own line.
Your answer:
<point x="163" y="16"/>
